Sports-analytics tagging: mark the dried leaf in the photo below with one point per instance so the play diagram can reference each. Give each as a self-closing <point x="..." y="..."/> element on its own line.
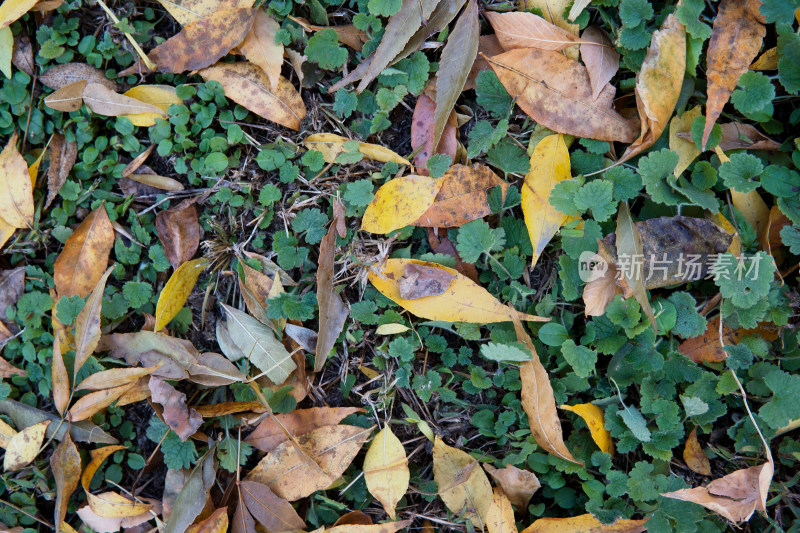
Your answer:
<point x="24" y="415"/>
<point x="770" y="238"/>
<point x="399" y="203"/>
<point x="94" y="402"/>
<point x="11" y="10"/>
<point x="331" y="145"/>
<point x="386" y="470"/>
<point x="22" y="57"/>
<point x="16" y="193"/>
<point x="188" y="11"/>
<point x="422" y="134"/>
<point x="600" y="57"/>
<point x="192" y="497"/>
<point x="87" y="324"/>
<point x="500" y="516"/>
<point x="521" y="29"/>
<point x="115" y="377"/>
<point x="595" y="420"/>
<point x="243" y="521"/>
<point x="63" y="154"/>
<point x="177" y="291"/>
<point x="629" y="243"/>
<point x="68" y="98"/>
<point x="735" y="496"/>
<point x="354" y="518"/>
<point x="518" y="485"/>
<point x="456" y="60"/>
<point x="737" y="136"/>
<point x="143" y="184"/>
<point x="179" y="232"/>
<point x="103" y="101"/>
<point x="216" y="523"/>
<point x="443" y="245"/>
<point x="488" y="46"/>
<point x="255" y="288"/>
<point x="735" y="41"/>
<point x="332" y="310"/>
<point x="287" y="472"/>
<point x="60" y="377"/>
<point x="84" y="259"/>
<point x="420" y="281"/>
<point x="538" y="400"/>
<point x="161" y="96"/>
<point x="707" y="348"/>
<point x="183" y="420"/>
<point x="464" y="301"/>
<point x="64" y="74"/>
<point x="247" y="85"/>
<point x="658" y="83"/>
<point x="23" y="447"/>
<point x="272" y="512"/>
<point x="463" y="485"/>
<point x="388" y="527"/>
<point x="584" y="523"/>
<point x="6" y="231"/>
<point x="553" y="11"/>
<point x="66" y="467"/>
<point x="694" y="456"/>
<point x="767" y="61"/>
<point x="600" y="290"/>
<point x="268" y="434"/>
<point x="12" y="285"/>
<point x="686" y="149"/>
<point x="260" y="48"/>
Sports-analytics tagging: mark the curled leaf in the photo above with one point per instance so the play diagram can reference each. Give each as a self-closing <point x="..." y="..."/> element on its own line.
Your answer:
<point x="518" y="485"/>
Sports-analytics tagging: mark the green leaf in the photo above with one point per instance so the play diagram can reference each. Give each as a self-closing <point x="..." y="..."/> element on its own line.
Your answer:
<point x="789" y="54"/>
<point x="231" y="453"/>
<point x="483" y="137"/>
<point x="68" y="308"/>
<point x="553" y="334"/>
<point x="562" y="196"/>
<point x="505" y="352"/>
<point x="580" y="358"/>
<point x="596" y="195"/>
<point x="636" y="423"/>
<point x="693" y="406"/>
<point x="387" y="99"/>
<point x="754" y="99"/>
<point x="689" y="322"/>
<point x="688" y="12"/>
<point x="384" y="8"/>
<point x="656" y="169"/>
<point x="779" y="11"/>
<point x="269" y="195"/>
<point x="345" y="103"/>
<point x="783" y="407"/>
<point x="574" y="246"/>
<point x="743" y="283"/>
<point x="438" y="164"/>
<point x="324" y="50"/>
<point x="312" y="222"/>
<point x="359" y="193"/>
<point x="491" y="95"/>
<point x="509" y="157"/>
<point x="626" y="182"/>
<point x="781" y="181"/>
<point x="633" y="12"/>
<point x="740" y="171"/>
<point x="136" y="293"/>
<point x="790" y="235"/>
<point x="698" y="126"/>
<point x="477" y="238"/>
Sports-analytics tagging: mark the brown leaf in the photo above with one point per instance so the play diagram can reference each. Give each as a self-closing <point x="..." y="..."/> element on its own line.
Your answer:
<point x="243" y="521"/>
<point x="272" y="512"/>
<point x="736" y="136"/>
<point x="192" y="498"/>
<point x="66" y="467"/>
<point x="735" y="41"/>
<point x="179" y="232"/>
<point x="556" y="92"/>
<point x="137" y="162"/>
<point x="63" y="154"/>
<point x="386" y="527"/>
<point x="183" y="421"/>
<point x="60" y="377"/>
<point x="600" y="58"/>
<point x="694" y="456"/>
<point x="22" y="56"/>
<point x="256" y="290"/>
<point x="68" y="98"/>
<point x="520" y="29"/>
<point x="204" y="42"/>
<point x="332" y="310"/>
<point x="442" y="245"/>
<point x="538" y="400"/>
<point x="115" y="377"/>
<point x="769" y="239"/>
<point x="247" y="85"/>
<point x="7" y="369"/>
<point x="81" y="263"/>
<point x="354" y="518"/>
<point x="735" y="496"/>
<point x="91" y="404"/>
<point x="707" y="348"/>
<point x="103" y="101"/>
<point x="488" y="46"/>
<point x="287" y="471"/>
<point x="260" y="48"/>
<point x="12" y="285"/>
<point x="600" y="290"/>
<point x="422" y="134"/>
<point x="268" y="435"/>
<point x="348" y="35"/>
<point x="229" y="408"/>
<point x="463" y="485"/>
<point x="64" y="74"/>
<point x="419" y="281"/>
<point x="658" y="83"/>
<point x="518" y="485"/>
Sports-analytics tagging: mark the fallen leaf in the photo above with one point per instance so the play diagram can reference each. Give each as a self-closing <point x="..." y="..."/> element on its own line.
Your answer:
<point x="188" y="11"/>
<point x="442" y="245"/>
<point x="332" y="310"/>
<point x="112" y="525"/>
<point x="24" y="415"/>
<point x="735" y="41"/>
<point x="422" y="126"/>
<point x="399" y="203"/>
<point x="694" y="456"/>
<point x="256" y="288"/>
<point x="488" y="46"/>
<point x="521" y="29"/>
<point x="354" y="518"/>
<point x="22" y="57"/>
<point x="538" y="400"/>
<point x="23" y="447"/>
<point x="553" y="11"/>
<point x="686" y="149"/>
<point x="192" y="497"/>
<point x="6" y="50"/>
<point x="462" y="197"/>
<point x="64" y="74"/>
<point x="658" y="83"/>
<point x="767" y="61"/>
<point x="179" y="232"/>
<point x="68" y="98"/>
<point x="707" y="348"/>
<point x="229" y="408"/>
<point x="600" y="57"/>
<point x="247" y="85"/>
<point x="386" y="470"/>
<point x="202" y="43"/>
<point x="287" y="472"/>
<point x="12" y="285"/>
<point x="600" y="290"/>
<point x="549" y="165"/>
<point x="183" y="420"/>
<point x="518" y="485"/>
<point x="137" y="161"/>
<point x="629" y="243"/>
<point x="63" y="154"/>
<point x="243" y="521"/>
<point x="331" y="145"/>
<point x="177" y="291"/>
<point x="737" y="136"/>
<point x="770" y="238"/>
<point x="94" y="402"/>
<point x="256" y="342"/>
<point x="463" y="485"/>
<point x="595" y="420"/>
<point x="464" y="301"/>
<point x="556" y="92"/>
<point x="753" y="208"/>
<point x="260" y="48"/>
<point x="388" y="527"/>
<point x="6" y="231"/>
<point x="115" y="377"/>
<point x="104" y="101"/>
<point x="216" y="523"/>
<point x="735" y="496"/>
<point x="87" y="324"/>
<point x="160" y="96"/>
<point x="141" y="183"/>
<point x="11" y="10"/>
<point x="500" y="515"/>
<point x="584" y="523"/>
<point x="272" y="512"/>
<point x="268" y="434"/>
<point x="81" y="263"/>
<point x="59" y="375"/>
<point x="16" y="193"/>
<point x="419" y="281"/>
<point x="66" y="467"/>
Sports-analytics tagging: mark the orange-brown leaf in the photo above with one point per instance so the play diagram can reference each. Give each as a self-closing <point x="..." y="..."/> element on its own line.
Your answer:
<point x="520" y="29"/>
<point x="707" y="348"/>
<point x="81" y="263"/>
<point x="332" y="310"/>
<point x="179" y="232"/>
<point x="94" y="402"/>
<point x="694" y="456"/>
<point x="66" y="466"/>
<point x="518" y="485"/>
<point x="268" y="434"/>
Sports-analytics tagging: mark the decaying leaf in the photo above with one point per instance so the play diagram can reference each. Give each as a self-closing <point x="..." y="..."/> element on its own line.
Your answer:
<point x="464" y="300"/>
<point x="463" y="485"/>
<point x="629" y="244"/>
<point x="60" y="377"/>
<point x="331" y="145"/>
<point x="538" y="400"/>
<point x="188" y="11"/>
<point x="500" y="515"/>
<point x="260" y="48"/>
<point x="87" y="324"/>
<point x="419" y="281"/>
<point x="115" y="377"/>
<point x="556" y="92"/>
<point x="600" y="289"/>
<point x="707" y="348"/>
<point x="386" y="470"/>
<point x="268" y="434"/>
<point x="442" y="245"/>
<point x="81" y="263"/>
<point x="177" y="291"/>
<point x="694" y="456"/>
<point x="422" y="126"/>
<point x="686" y="148"/>
<point x="247" y="85"/>
<point x="22" y="57"/>
<point x="16" y="193"/>
<point x="64" y="74"/>
<point x="585" y="523"/>
<point x="183" y="420"/>
<point x="518" y="485"/>
<point x="735" y="41"/>
<point x="658" y="83"/>
<point x="332" y="310"/>
<point x="68" y="98"/>
<point x="161" y="96"/>
<point x="216" y="523"/>
<point x="63" y="154"/>
<point x="737" y="136"/>
<point x="400" y="202"/>
<point x="595" y="419"/>
<point x="521" y="29"/>
<point x="600" y="57"/>
<point x="271" y="511"/>
<point x="287" y="471"/>
<point x="66" y="467"/>
<point x="192" y="498"/>
<point x="179" y="232"/>
<point x="388" y="527"/>
<point x="104" y="101"/>
<point x="12" y="285"/>
<point x="488" y="46"/>
<point x="23" y="447"/>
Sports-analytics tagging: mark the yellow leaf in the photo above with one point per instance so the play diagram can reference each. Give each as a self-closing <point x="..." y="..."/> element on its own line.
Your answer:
<point x="549" y="165"/>
<point x="6" y="434"/>
<point x="33" y="168"/>
<point x="386" y="470"/>
<point x="16" y="193"/>
<point x="114" y="505"/>
<point x="6" y="231"/>
<point x="595" y="419"/>
<point x="584" y="523"/>
<point x="98" y="456"/>
<point x="91" y="404"/>
<point x="24" y="447"/>
<point x="331" y="145"/>
<point x="500" y="516"/>
<point x="391" y="329"/>
<point x="399" y="203"/>
<point x="116" y="377"/>
<point x="177" y="291"/>
<point x="463" y="301"/>
<point x="11" y="10"/>
<point x="695" y="457"/>
<point x="188" y="11"/>
<point x="686" y="149"/>
<point x="161" y="96"/>
<point x="260" y="48"/>
<point x="736" y="244"/>
<point x="463" y="485"/>
<point x="767" y="61"/>
<point x="87" y="324"/>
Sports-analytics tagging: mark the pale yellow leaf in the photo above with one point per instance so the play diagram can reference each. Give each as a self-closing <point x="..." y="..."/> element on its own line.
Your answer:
<point x="331" y="145"/>
<point x="16" y="193"/>
<point x="463" y="485"/>
<point x="686" y="149"/>
<point x="24" y="447"/>
<point x="386" y="470"/>
<point x="500" y="516"/>
<point x="161" y="96"/>
<point x="584" y="523"/>
<point x="260" y="48"/>
<point x="11" y="10"/>
<point x="391" y="329"/>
